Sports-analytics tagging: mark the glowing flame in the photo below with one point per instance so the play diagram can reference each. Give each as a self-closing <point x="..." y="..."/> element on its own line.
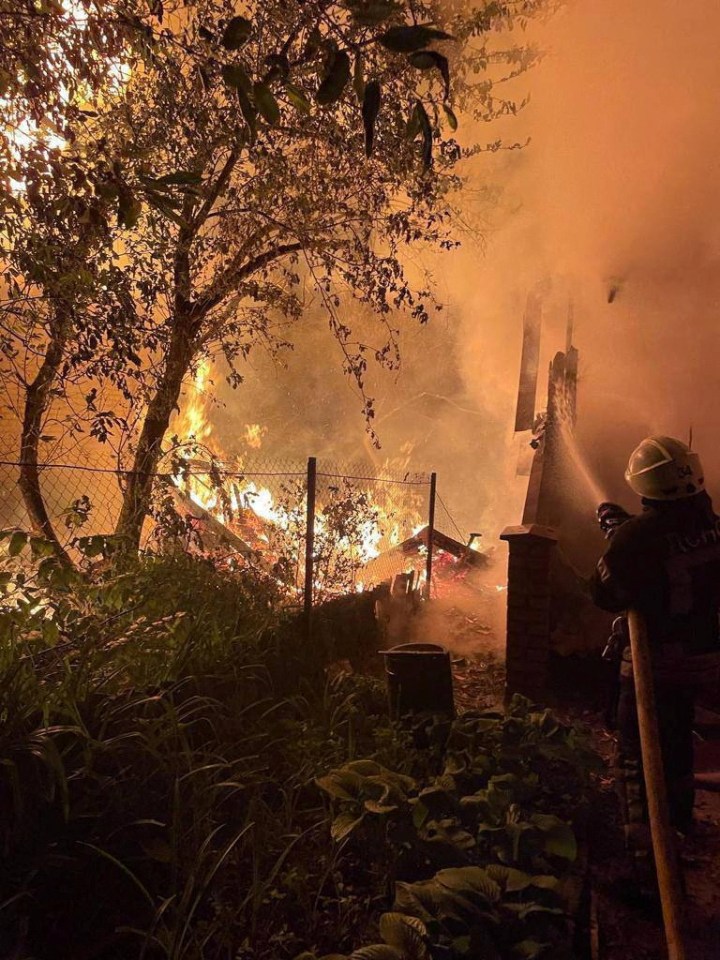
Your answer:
<point x="254" y="434"/>
<point x="193" y="422"/>
<point x="249" y="509"/>
<point x="24" y="133"/>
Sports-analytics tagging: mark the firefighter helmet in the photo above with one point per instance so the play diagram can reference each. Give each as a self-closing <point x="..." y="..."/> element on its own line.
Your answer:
<point x="662" y="468"/>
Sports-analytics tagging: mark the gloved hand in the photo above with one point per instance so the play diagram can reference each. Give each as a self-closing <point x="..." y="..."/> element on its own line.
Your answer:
<point x="610" y="516"/>
<point x="617" y="641"/>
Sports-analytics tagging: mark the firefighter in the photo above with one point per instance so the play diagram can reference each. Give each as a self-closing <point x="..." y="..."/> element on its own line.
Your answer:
<point x="665" y="563"/>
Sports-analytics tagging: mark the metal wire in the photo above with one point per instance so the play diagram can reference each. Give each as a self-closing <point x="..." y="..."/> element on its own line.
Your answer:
<point x="463" y="537"/>
<point x="359" y="516"/>
<point x="343" y="476"/>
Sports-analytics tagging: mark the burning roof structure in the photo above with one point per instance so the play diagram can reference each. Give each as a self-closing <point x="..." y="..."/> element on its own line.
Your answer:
<point x="451" y="558"/>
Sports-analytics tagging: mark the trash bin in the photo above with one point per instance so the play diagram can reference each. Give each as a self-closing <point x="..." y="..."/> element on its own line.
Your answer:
<point x="419" y="677"/>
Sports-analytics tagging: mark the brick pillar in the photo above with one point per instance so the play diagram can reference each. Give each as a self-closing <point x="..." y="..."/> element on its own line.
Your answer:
<point x="528" y="609"/>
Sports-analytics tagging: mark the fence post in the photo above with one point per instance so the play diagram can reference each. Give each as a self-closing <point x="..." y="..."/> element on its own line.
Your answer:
<point x="310" y="543"/>
<point x="430" y="534"/>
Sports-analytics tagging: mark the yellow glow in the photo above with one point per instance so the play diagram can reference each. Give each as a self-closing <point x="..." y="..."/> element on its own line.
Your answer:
<point x="24" y="132"/>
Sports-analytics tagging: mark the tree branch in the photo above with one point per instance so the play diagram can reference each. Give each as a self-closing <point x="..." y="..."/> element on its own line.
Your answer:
<point x="216" y="189"/>
<point x="235" y="275"/>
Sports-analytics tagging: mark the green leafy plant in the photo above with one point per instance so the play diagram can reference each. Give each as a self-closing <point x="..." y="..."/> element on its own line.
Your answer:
<point x="403" y="938"/>
<point x="506" y="858"/>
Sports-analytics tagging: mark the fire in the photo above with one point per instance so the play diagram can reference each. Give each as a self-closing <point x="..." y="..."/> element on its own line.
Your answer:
<point x="24" y="132"/>
<point x="193" y="422"/>
<point x="254" y="434"/>
<point x="251" y="511"/>
<point x="194" y="429"/>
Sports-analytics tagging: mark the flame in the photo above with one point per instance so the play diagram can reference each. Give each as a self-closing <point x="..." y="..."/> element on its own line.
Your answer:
<point x="25" y="133"/>
<point x="193" y="422"/>
<point x="251" y="510"/>
<point x="254" y="434"/>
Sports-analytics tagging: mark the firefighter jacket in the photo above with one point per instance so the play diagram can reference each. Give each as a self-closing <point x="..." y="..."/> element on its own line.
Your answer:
<point x="665" y="563"/>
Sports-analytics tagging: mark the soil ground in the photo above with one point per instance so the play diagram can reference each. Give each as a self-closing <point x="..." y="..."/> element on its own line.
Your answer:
<point x="626" y="919"/>
<point x="627" y="923"/>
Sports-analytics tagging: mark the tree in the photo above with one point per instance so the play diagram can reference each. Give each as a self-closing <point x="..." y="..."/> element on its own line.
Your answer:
<point x="258" y="151"/>
<point x="58" y="66"/>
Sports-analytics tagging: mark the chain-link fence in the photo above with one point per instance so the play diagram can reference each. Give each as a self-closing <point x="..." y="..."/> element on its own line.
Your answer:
<point x="365" y="527"/>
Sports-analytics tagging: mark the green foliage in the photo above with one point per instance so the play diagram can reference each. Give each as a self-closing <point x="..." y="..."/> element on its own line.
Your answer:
<point x="346" y="516"/>
<point x="501" y="860"/>
<point x="164" y="729"/>
<point x="404" y="938"/>
<point x="160" y="728"/>
<point x="237" y="33"/>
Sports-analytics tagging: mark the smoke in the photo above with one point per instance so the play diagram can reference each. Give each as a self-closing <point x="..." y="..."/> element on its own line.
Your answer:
<point x="615" y="202"/>
<point x="620" y="205"/>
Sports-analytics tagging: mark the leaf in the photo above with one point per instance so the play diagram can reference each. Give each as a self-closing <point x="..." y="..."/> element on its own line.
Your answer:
<point x="370" y="111"/>
<point x="509" y="878"/>
<point x="165" y="205"/>
<point x="407" y="39"/>
<point x="41" y="547"/>
<point x="372" y="806"/>
<point x="50" y="632"/>
<point x="180" y="178"/>
<point x="427" y="134"/>
<point x="344" y="824"/>
<point x="560" y="842"/>
<point x="359" y="79"/>
<point x="249" y="112"/>
<point x="129" y="208"/>
<point x="369" y="13"/>
<point x="266" y="103"/>
<point x="341" y="784"/>
<point x="420" y="814"/>
<point x="465" y="880"/>
<point x="91" y="546"/>
<point x="413" y="126"/>
<point x="429" y="900"/>
<point x="406" y="934"/>
<point x="523" y="910"/>
<point x="235" y="75"/>
<point x="313" y="43"/>
<point x="515" y="832"/>
<point x="544" y="881"/>
<point x="377" y="951"/>
<point x="18" y="541"/>
<point x="335" y="80"/>
<point x="427" y="59"/>
<point x="297" y="98"/>
<point x="420" y="899"/>
<point x="237" y="33"/>
<point x="451" y="118"/>
<point x="529" y="949"/>
<point x="158" y="849"/>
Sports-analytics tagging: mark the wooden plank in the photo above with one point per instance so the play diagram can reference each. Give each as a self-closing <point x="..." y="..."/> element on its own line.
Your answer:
<point x="529" y="364"/>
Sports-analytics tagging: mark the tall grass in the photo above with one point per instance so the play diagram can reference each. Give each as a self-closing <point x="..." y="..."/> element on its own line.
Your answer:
<point x="158" y="749"/>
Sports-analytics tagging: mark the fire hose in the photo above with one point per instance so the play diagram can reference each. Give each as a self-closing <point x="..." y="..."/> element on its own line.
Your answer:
<point x="663" y="836"/>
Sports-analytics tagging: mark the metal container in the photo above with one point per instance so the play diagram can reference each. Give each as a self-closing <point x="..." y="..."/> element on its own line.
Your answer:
<point x="419" y="677"/>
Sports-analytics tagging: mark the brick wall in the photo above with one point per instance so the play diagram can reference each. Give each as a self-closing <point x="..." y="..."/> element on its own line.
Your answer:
<point x="528" y="609"/>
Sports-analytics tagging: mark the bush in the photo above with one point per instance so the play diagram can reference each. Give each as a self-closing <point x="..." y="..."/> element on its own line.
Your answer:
<point x="161" y="730"/>
<point x="480" y="861"/>
<point x="164" y="730"/>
